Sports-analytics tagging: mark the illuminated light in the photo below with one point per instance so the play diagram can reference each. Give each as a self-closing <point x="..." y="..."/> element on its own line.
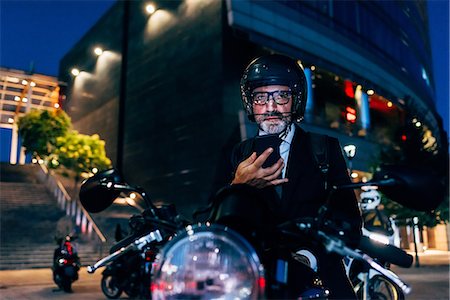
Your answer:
<point x="348" y="89"/>
<point x="389" y="104"/>
<point x="414" y="120"/>
<point x="150" y="9"/>
<point x="216" y="250"/>
<point x="313" y="68"/>
<point x="33" y="83"/>
<point x="75" y="72"/>
<point x="194" y="258"/>
<point x="379" y="238"/>
<point x="94" y="170"/>
<point x="16" y="98"/>
<point x="350" y="114"/>
<point x="10" y="120"/>
<point x="13" y="79"/>
<point x="418" y="124"/>
<point x="336" y="78"/>
<point x="354" y="175"/>
<point x="98" y="51"/>
<point x="403" y="137"/>
<point x="364" y="179"/>
<point x="56" y="105"/>
<point x="299" y="62"/>
<point x="350" y="150"/>
<point x="25" y="100"/>
<point x="55" y="162"/>
<point x="34" y="160"/>
<point x="40" y="161"/>
<point x="109" y="184"/>
<point x="24" y="82"/>
<point x="262" y="282"/>
<point x="370" y="92"/>
<point x="133" y="195"/>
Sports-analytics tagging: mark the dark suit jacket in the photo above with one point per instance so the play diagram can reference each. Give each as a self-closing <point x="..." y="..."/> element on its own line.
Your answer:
<point x="305" y="193"/>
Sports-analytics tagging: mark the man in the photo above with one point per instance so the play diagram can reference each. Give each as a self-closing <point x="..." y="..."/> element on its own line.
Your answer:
<point x="273" y="90"/>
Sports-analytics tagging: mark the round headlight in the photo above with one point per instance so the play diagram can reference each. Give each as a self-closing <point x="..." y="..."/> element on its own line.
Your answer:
<point x="208" y="262"/>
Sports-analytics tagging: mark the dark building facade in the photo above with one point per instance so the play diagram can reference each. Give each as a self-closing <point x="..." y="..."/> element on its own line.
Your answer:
<point x="169" y="107"/>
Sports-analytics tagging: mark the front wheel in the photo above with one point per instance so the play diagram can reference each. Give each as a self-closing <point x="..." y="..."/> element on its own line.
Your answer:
<point x="381" y="289"/>
<point x="66" y="284"/>
<point x="110" y="287"/>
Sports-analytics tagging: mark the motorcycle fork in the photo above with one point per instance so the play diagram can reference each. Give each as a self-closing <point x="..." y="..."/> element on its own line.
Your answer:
<point x="365" y="293"/>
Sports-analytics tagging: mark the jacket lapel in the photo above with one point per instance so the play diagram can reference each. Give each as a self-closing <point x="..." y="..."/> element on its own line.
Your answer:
<point x="295" y="168"/>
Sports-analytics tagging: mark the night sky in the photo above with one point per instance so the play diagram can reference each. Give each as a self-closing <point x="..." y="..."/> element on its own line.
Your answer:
<point x="41" y="32"/>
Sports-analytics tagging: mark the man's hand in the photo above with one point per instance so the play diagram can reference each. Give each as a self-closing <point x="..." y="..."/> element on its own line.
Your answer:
<point x="251" y="172"/>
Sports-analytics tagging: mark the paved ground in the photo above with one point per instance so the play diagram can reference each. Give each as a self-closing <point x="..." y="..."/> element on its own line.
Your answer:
<point x="37" y="284"/>
<point x="430" y="281"/>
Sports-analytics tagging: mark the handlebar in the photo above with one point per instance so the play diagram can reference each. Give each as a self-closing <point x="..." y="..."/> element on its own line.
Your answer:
<point x="137" y="244"/>
<point x="333" y="244"/>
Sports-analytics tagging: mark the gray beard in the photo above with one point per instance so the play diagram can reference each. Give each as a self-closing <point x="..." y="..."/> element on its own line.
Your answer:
<point x="270" y="127"/>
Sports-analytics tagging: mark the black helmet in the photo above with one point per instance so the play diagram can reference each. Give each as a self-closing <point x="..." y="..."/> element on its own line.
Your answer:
<point x="274" y="69"/>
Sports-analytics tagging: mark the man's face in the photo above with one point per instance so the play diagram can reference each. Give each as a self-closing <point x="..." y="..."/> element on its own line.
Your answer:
<point x="272" y="106"/>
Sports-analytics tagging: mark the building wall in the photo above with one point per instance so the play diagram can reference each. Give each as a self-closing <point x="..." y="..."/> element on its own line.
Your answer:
<point x="92" y="97"/>
<point x="174" y="101"/>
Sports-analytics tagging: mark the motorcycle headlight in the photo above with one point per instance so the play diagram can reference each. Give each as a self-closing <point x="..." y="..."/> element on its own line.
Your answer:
<point x="208" y="262"/>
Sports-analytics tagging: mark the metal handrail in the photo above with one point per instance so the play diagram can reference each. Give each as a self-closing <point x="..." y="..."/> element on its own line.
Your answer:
<point x="73" y="207"/>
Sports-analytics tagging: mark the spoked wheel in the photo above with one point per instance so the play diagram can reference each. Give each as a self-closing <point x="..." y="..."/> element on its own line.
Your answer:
<point x="381" y="289"/>
<point x="110" y="287"/>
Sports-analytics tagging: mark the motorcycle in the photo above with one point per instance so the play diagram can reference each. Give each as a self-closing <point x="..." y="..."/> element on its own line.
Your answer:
<point x="130" y="271"/>
<point x="377" y="229"/>
<point x="223" y="257"/>
<point x="129" y="265"/>
<point x="66" y="263"/>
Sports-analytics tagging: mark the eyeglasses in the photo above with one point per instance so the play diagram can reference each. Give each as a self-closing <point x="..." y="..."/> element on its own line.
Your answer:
<point x="280" y="97"/>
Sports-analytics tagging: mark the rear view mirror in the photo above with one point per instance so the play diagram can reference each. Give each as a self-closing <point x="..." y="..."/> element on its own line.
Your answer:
<point x="419" y="189"/>
<point x="97" y="192"/>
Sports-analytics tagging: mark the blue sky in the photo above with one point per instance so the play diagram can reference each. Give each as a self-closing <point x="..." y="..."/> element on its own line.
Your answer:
<point x="43" y="31"/>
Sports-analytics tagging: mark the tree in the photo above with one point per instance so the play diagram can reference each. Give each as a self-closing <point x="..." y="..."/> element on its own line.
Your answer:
<point x="419" y="149"/>
<point x="40" y="129"/>
<point x="80" y="153"/>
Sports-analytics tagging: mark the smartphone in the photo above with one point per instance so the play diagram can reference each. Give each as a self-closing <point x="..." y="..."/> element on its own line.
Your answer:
<point x="262" y="142"/>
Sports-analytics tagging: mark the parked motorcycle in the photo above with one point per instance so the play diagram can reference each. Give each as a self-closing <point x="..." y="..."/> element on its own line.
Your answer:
<point x="66" y="263"/>
<point x="378" y="231"/>
<point x="216" y="260"/>
<point x="129" y="265"/>
<point x="129" y="272"/>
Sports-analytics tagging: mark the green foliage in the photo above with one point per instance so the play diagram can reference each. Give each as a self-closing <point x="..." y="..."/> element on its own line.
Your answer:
<point x="80" y="153"/>
<point x="439" y="216"/>
<point x="39" y="130"/>
<point x="49" y="135"/>
<point x="420" y="150"/>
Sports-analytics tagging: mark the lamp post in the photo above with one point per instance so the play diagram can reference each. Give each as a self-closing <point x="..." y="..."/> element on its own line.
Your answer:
<point x="415" y="227"/>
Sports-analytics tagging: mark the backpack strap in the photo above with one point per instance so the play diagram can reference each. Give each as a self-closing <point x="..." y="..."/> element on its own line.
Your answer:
<point x="319" y="147"/>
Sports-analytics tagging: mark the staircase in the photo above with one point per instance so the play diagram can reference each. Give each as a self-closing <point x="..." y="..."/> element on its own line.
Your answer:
<point x="29" y="221"/>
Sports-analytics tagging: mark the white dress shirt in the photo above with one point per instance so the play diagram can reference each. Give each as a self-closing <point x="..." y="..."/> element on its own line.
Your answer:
<point x="285" y="145"/>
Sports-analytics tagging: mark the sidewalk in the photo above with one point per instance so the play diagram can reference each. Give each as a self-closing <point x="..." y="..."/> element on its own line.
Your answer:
<point x="432" y="258"/>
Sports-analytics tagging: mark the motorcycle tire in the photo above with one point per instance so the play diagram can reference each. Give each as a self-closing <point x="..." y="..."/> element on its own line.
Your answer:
<point x="66" y="285"/>
<point x="110" y="288"/>
<point x="381" y="289"/>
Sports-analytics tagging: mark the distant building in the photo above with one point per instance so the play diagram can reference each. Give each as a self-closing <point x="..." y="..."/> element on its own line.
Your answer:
<point x="173" y="107"/>
<point x="20" y="93"/>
